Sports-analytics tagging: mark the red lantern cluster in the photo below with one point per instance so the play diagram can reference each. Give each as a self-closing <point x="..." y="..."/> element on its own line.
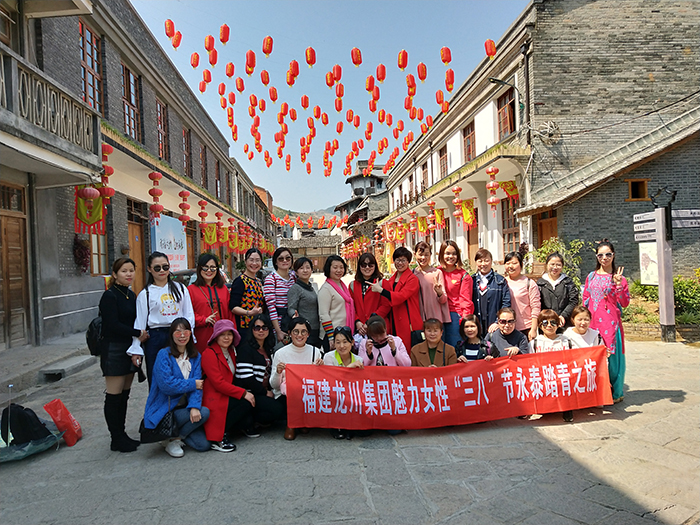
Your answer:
<point x="155" y="192"/>
<point x="105" y="191"/>
<point x="492" y="186"/>
<point x="458" y="204"/>
<point x="202" y="213"/>
<point x="184" y="206"/>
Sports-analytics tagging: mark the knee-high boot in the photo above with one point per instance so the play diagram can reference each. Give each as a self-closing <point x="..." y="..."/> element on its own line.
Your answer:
<point x="123" y="402"/>
<point x="115" y="424"/>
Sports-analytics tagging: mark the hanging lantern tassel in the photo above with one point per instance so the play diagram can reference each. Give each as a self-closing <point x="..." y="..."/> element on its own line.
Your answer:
<point x="155" y="192"/>
<point x="202" y="213"/>
<point x="184" y="206"/>
<point x="458" y="204"/>
<point x="492" y="186"/>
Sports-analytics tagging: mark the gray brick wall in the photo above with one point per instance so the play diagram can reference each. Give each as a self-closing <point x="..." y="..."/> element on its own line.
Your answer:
<point x="604" y="212"/>
<point x="597" y="64"/>
<point x="62" y="62"/>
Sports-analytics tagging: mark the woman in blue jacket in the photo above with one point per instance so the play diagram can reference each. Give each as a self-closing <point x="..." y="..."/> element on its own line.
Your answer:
<point x="177" y="384"/>
<point x="491" y="292"/>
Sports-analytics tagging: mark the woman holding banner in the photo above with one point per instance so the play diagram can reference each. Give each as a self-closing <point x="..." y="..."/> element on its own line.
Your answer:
<point x="210" y="299"/>
<point x="605" y="294"/>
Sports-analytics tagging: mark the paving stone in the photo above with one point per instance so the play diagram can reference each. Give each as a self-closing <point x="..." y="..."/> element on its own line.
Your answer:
<point x="445" y="500"/>
<point x="403" y="504"/>
<point x="482" y="453"/>
<point x="465" y="470"/>
<point x="330" y="486"/>
<point x="547" y="518"/>
<point x="425" y="455"/>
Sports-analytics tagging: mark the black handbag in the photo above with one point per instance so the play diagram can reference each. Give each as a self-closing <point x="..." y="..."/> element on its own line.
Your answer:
<point x="417" y="336"/>
<point x="165" y="429"/>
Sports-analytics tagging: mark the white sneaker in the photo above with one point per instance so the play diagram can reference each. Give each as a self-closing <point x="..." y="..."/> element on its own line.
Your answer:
<point x="174" y="448"/>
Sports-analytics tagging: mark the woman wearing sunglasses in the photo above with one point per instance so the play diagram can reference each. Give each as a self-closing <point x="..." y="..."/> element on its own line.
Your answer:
<point x="210" y="299"/>
<point x="505" y="338"/>
<point x="276" y="289"/>
<point x="253" y="370"/>
<point x="247" y="292"/>
<point x="367" y="301"/>
<point x="157" y="306"/>
<point x="605" y="294"/>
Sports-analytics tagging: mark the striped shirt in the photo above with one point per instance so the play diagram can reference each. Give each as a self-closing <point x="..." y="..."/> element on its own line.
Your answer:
<point x="276" y="289"/>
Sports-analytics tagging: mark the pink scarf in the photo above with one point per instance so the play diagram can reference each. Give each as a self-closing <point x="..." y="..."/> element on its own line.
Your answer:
<point x="349" y="304"/>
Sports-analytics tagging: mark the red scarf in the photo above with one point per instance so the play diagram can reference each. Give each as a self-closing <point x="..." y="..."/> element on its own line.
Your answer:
<point x="349" y="306"/>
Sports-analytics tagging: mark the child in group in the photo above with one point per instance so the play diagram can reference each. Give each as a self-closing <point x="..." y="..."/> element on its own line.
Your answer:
<point x="580" y="335"/>
<point x="549" y="341"/>
<point x="506" y="339"/>
<point x="472" y="346"/>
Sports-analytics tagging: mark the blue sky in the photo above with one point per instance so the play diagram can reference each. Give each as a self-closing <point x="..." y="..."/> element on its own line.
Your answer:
<point x="380" y="29"/>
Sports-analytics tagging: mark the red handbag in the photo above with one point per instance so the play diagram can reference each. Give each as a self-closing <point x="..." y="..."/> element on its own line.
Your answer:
<point x="64" y="421"/>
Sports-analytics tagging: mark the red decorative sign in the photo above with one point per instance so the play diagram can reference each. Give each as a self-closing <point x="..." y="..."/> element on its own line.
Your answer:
<point x="414" y="398"/>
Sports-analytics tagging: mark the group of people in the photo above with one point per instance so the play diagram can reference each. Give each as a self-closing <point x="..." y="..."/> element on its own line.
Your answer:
<point x="216" y="357"/>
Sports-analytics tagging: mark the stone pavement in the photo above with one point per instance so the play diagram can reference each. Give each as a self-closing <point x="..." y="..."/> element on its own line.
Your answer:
<point x="633" y="463"/>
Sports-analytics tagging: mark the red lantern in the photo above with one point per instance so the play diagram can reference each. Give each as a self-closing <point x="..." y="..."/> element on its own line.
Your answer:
<point x="445" y="107"/>
<point x="169" y="28"/>
<point x="429" y="121"/>
<point x="339" y="89"/>
<point x="399" y="125"/>
<point x="349" y="115"/>
<point x="381" y="115"/>
<point x="422" y="71"/>
<point x="356" y="56"/>
<point x="490" y="47"/>
<point x="337" y="72"/>
<point x="155" y="192"/>
<point x="449" y="80"/>
<point x="324" y="119"/>
<point x="267" y="46"/>
<point x="294" y="68"/>
<point x="407" y="103"/>
<point x="403" y="59"/>
<point x="224" y="32"/>
<point x="209" y="43"/>
<point x="240" y="85"/>
<point x="273" y="94"/>
<point x="381" y="73"/>
<point x="375" y="93"/>
<point x="356" y="121"/>
<point x="492" y="186"/>
<point x="445" y="55"/>
<point x="261" y="105"/>
<point x="410" y="81"/>
<point x="291" y="79"/>
<point x="439" y="96"/>
<point x="250" y="61"/>
<point x="293" y="114"/>
<point x="177" y="39"/>
<point x="202" y="86"/>
<point x="222" y="90"/>
<point x="369" y="84"/>
<point x="317" y="112"/>
<point x="230" y="69"/>
<point x="194" y="59"/>
<point x="206" y="76"/>
<point x="372" y="106"/>
<point x="213" y="57"/>
<point x="412" y="113"/>
<point x="419" y="113"/>
<point x="253" y="100"/>
<point x="310" y="56"/>
<point x="304" y="101"/>
<point x="88" y="194"/>
<point x="389" y="119"/>
<point x="308" y="168"/>
<point x="264" y="77"/>
<point x="339" y="104"/>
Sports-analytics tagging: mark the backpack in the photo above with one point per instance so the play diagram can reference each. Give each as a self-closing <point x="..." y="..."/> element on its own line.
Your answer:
<point x="93" y="336"/>
<point x="24" y="424"/>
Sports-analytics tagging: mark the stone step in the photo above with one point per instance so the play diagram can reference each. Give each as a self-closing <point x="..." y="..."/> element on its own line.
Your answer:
<point x="62" y="369"/>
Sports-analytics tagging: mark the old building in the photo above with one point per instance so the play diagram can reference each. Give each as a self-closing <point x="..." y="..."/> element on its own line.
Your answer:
<point x="587" y="110"/>
<point x="77" y="76"/>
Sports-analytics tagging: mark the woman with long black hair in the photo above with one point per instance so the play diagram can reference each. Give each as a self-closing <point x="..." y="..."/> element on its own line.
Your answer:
<point x="160" y="302"/>
<point x="118" y="312"/>
<point x="247" y="297"/>
<point x="209" y="297"/>
<point x="367" y="301"/>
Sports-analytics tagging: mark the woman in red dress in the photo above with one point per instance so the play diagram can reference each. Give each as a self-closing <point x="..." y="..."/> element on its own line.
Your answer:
<point x="210" y="299"/>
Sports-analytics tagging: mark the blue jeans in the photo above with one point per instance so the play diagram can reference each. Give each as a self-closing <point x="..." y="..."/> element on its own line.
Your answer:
<point x="451" y="333"/>
<point x="192" y="433"/>
<point x="158" y="339"/>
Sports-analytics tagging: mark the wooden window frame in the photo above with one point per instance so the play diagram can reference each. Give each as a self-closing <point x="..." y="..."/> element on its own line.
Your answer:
<point x="468" y="137"/>
<point x="630" y="182"/>
<point x="187" y="152"/>
<point x="217" y="178"/>
<point x="509" y="225"/>
<point x="506" y="114"/>
<point x="7" y="16"/>
<point x="424" y="177"/>
<point x="442" y="156"/>
<point x="229" y="193"/>
<point x="203" y="165"/>
<point x="91" y="67"/>
<point x="101" y="255"/>
<point x="130" y="103"/>
<point x="162" y="130"/>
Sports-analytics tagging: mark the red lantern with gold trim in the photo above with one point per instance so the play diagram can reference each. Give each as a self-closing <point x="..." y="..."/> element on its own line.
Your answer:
<point x="356" y="56"/>
<point x="381" y="73"/>
<point x="176" y="40"/>
<point x="422" y="72"/>
<point x="194" y="59"/>
<point x="224" y="33"/>
<point x="310" y="56"/>
<point x="403" y="59"/>
<point x="267" y="46"/>
<point x="490" y="47"/>
<point x="445" y="55"/>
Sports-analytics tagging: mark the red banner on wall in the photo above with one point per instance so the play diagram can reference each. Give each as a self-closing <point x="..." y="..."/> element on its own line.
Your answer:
<point x="411" y="398"/>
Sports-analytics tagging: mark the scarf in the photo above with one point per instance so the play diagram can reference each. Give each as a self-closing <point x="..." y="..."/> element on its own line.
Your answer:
<point x="554" y="284"/>
<point x="484" y="282"/>
<point x="306" y="286"/>
<point x="349" y="305"/>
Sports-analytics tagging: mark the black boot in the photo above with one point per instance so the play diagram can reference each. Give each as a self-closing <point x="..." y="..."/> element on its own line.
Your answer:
<point x="124" y="400"/>
<point x="115" y="424"/>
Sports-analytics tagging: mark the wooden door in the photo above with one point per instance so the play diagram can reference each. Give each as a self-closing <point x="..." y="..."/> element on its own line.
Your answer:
<point x="191" y="263"/>
<point x="136" y="252"/>
<point x="14" y="285"/>
<point x="546" y="229"/>
<point x="473" y="240"/>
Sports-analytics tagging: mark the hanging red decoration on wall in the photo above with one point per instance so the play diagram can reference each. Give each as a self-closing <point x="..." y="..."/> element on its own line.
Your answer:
<point x="492" y="186"/>
<point x="89" y="216"/>
<point x="184" y="206"/>
<point x="202" y="213"/>
<point x="155" y="192"/>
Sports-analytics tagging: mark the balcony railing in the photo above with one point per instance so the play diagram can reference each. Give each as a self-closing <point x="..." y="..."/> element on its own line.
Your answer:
<point x="30" y="95"/>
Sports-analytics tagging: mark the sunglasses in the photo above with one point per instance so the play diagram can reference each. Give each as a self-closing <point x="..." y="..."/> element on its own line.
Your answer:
<point x="366" y="265"/>
<point x="158" y="268"/>
<point x="506" y="321"/>
<point x="260" y="328"/>
<point x="208" y="268"/>
<point x="547" y="322"/>
<point x="605" y="255"/>
<point x="182" y="332"/>
<point x="287" y="258"/>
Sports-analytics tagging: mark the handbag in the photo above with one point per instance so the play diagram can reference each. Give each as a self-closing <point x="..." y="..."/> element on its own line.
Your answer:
<point x="165" y="429"/>
<point x="417" y="336"/>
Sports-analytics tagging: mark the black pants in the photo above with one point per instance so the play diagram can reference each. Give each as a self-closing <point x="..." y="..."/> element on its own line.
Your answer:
<point x="239" y="415"/>
<point x="268" y="410"/>
<point x="158" y="339"/>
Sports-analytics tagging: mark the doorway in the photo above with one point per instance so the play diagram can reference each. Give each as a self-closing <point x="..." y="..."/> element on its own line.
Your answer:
<point x="546" y="227"/>
<point x="14" y="284"/>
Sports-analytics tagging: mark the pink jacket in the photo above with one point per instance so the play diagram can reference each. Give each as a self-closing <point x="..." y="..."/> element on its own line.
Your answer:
<point x="525" y="300"/>
<point x="402" y="358"/>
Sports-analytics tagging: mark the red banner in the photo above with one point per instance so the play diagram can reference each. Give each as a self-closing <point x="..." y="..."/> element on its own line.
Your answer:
<point x="413" y="398"/>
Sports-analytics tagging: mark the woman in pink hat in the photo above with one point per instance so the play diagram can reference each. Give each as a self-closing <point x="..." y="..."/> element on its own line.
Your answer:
<point x="230" y="406"/>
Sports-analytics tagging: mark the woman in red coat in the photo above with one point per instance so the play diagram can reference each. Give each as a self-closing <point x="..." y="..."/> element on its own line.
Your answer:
<point x="210" y="299"/>
<point x="230" y="406"/>
<point x="403" y="292"/>
<point x="367" y="302"/>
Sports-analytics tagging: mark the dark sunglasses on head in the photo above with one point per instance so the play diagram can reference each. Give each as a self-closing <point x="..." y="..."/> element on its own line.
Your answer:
<point x="260" y="328"/>
<point x="345" y="330"/>
<point x="158" y="268"/>
<point x="506" y="321"/>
